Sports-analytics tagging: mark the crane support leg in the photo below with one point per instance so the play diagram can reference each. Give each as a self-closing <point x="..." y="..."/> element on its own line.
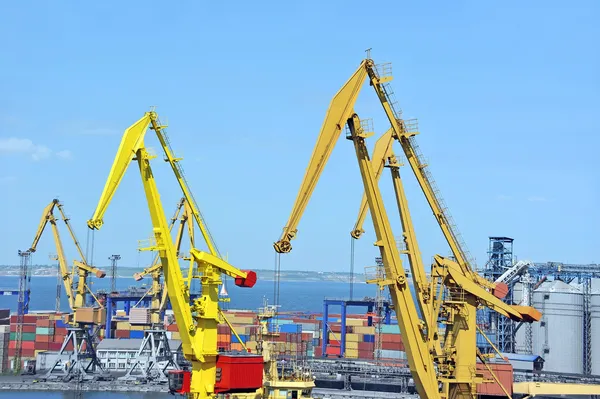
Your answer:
<point x="419" y="359"/>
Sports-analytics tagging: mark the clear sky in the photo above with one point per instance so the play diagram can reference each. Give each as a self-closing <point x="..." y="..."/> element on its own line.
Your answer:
<point x="507" y="95"/>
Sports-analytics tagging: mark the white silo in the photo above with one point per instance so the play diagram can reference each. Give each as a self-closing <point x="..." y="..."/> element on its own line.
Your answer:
<point x="595" y="316"/>
<point x="558" y="337"/>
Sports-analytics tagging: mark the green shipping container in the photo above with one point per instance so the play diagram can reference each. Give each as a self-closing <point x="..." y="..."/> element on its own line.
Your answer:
<point x="26" y="336"/>
<point x="44" y="330"/>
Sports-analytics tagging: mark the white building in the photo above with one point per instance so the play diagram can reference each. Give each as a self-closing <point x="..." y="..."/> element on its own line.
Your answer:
<point x="118" y="354"/>
<point x="113" y="354"/>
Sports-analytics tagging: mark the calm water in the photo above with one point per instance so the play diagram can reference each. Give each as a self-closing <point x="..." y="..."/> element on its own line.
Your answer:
<point x="296" y="296"/>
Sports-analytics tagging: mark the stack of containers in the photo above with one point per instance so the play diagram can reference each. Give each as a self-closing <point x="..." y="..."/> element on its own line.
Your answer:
<point x="44" y="331"/>
<point x="28" y="337"/>
<point x="122" y="329"/>
<point x="392" y="346"/>
<point x="366" y="345"/>
<point x="241" y="321"/>
<point x="311" y="334"/>
<point x="4" y="340"/>
<point x="360" y="340"/>
<point x="139" y="320"/>
<point x="60" y="332"/>
<point x="223" y="338"/>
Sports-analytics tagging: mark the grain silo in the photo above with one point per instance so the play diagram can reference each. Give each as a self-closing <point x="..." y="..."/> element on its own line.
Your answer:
<point x="557" y="338"/>
<point x="595" y="315"/>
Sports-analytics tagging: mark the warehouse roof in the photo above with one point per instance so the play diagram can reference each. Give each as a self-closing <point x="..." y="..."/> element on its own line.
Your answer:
<point x="522" y="357"/>
<point x="132" y="343"/>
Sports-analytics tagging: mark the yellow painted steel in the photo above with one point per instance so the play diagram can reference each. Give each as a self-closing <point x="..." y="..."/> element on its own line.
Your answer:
<point x="381" y="152"/>
<point x="340" y="109"/>
<point x="419" y="359"/>
<point x="554" y="389"/>
<point x="383" y="156"/>
<point x="76" y="297"/>
<point x="454" y="292"/>
<point x="159" y="291"/>
<point x="198" y="322"/>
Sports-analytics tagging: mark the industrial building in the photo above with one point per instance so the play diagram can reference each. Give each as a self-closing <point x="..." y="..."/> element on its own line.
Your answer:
<point x="118" y="354"/>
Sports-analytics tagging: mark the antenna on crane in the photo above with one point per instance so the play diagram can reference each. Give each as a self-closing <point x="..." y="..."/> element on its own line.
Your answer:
<point x="368" y="51"/>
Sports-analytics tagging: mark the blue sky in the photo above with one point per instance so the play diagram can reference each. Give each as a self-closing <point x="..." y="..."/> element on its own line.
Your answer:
<point x="507" y="97"/>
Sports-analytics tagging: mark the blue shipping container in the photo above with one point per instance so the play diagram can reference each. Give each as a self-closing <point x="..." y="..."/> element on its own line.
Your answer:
<point x="234" y="339"/>
<point x="62" y="324"/>
<point x="368" y="338"/>
<point x="315" y="341"/>
<point x="136" y="334"/>
<point x="329" y="319"/>
<point x="290" y="328"/>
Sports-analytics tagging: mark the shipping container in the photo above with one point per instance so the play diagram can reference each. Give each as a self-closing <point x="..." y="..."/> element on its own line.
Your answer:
<point x="243" y="338"/>
<point x="136" y="334"/>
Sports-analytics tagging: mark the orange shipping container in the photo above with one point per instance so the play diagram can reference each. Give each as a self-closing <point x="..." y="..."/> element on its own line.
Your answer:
<point x="43" y="322"/>
<point x="43" y="338"/>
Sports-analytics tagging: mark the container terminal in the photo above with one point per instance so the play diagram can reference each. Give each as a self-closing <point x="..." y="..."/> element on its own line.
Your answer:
<point x="451" y="331"/>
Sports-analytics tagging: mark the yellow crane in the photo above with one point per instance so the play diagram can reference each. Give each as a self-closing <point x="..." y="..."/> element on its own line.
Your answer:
<point x="76" y="291"/>
<point x="197" y="322"/>
<point x="455" y="288"/>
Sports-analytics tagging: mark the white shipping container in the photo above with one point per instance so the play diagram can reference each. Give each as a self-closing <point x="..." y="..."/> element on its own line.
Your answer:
<point x="391" y="354"/>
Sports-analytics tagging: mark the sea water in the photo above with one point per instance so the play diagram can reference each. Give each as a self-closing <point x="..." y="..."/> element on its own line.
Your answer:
<point x="302" y="296"/>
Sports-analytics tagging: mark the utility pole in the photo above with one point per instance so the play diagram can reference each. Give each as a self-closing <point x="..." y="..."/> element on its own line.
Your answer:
<point x="113" y="272"/>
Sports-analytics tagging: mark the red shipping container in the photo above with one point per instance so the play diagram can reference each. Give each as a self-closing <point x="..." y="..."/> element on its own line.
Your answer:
<point x="392" y="346"/>
<point x="43" y="338"/>
<point x="172" y="327"/>
<point x="55" y="346"/>
<point x="43" y="322"/>
<point x="366" y="346"/>
<point x="318" y="351"/>
<point x="58" y="338"/>
<point x="60" y="331"/>
<point x="13" y="327"/>
<point x="29" y="328"/>
<point x="41" y="346"/>
<point x="307" y="336"/>
<point x="503" y="371"/>
<point x="239" y="372"/>
<point x="332" y="350"/>
<point x="335" y="327"/>
<point x="223" y="329"/>
<point x="121" y="333"/>
<point x="27" y="352"/>
<point x="28" y="345"/>
<point x="365" y="354"/>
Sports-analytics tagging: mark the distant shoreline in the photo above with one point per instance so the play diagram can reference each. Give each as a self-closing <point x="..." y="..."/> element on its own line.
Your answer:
<point x="269" y="279"/>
